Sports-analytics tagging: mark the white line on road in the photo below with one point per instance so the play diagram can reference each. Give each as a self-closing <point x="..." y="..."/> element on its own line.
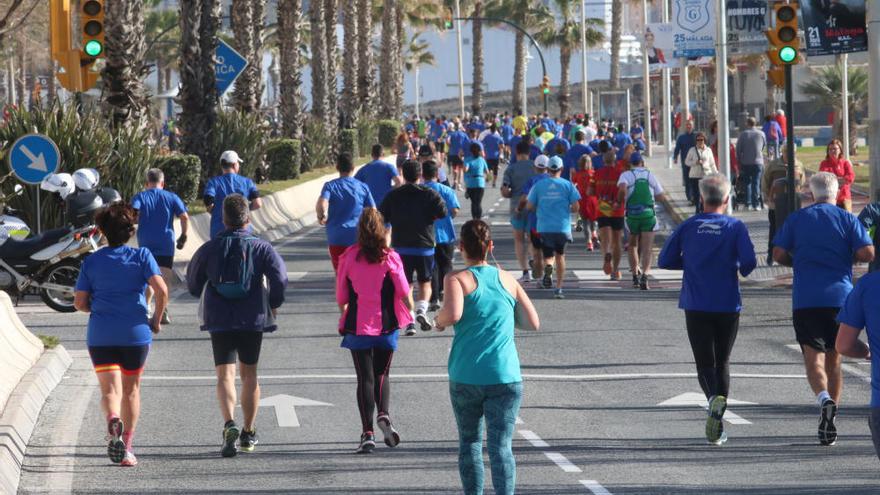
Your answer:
<point x="562" y="462"/>
<point x="536" y="377"/>
<point x="595" y="487"/>
<point x="534" y="439"/>
<point x="861" y="374"/>
<point x="294" y="276"/>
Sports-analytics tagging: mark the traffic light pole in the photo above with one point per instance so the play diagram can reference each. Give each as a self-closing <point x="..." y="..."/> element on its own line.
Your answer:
<point x="789" y="131"/>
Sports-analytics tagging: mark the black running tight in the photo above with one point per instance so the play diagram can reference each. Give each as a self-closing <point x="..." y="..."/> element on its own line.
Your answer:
<point x="712" y="336"/>
<point x="373" y="388"/>
<point x="476" y="196"/>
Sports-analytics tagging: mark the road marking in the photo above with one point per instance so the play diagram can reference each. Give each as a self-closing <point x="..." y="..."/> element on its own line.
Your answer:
<point x="595" y="487"/>
<point x="519" y="421"/>
<point x="562" y="462"/>
<point x="695" y="399"/>
<point x="285" y="408"/>
<point x="491" y="210"/>
<point x="536" y="377"/>
<point x="534" y="439"/>
<point x="294" y="276"/>
<point x="860" y="374"/>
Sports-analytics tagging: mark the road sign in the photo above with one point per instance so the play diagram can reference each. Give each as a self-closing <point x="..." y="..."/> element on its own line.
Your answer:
<point x="695" y="399"/>
<point x="228" y="67"/>
<point x="33" y="157"/>
<point x="285" y="408"/>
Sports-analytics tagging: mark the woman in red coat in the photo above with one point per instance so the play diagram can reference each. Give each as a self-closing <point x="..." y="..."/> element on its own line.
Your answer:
<point x="843" y="169"/>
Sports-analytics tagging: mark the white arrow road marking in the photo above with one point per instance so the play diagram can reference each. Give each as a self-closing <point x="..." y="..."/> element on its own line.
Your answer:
<point x="695" y="399"/>
<point x="37" y="162"/>
<point x="285" y="408"/>
<point x="294" y="276"/>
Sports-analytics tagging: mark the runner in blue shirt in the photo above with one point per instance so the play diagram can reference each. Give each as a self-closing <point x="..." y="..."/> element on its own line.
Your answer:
<point x="712" y="249"/>
<point x="475" y="170"/>
<point x="493" y="144"/>
<point x="339" y="208"/>
<point x="574" y="154"/>
<point x="557" y="147"/>
<point x="230" y="182"/>
<point x="379" y="175"/>
<point x="156" y="210"/>
<point x="444" y="232"/>
<point x="821" y="242"/>
<point x="473" y="138"/>
<point x="458" y="139"/>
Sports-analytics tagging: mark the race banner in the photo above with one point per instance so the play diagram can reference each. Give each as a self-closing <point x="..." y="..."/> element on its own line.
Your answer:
<point x="660" y="45"/>
<point x="694" y="25"/>
<point x="834" y="26"/>
<point x="746" y="23"/>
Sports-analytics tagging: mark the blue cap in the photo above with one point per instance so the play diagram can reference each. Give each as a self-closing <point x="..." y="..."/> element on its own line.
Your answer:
<point x="635" y="158"/>
<point x="555" y="163"/>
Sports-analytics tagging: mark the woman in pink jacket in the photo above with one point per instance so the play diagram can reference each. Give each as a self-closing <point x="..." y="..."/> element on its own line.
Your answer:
<point x="843" y="169"/>
<point x="375" y="301"/>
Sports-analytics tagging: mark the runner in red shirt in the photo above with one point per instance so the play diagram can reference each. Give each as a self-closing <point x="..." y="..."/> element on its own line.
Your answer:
<point x="588" y="206"/>
<point x="610" y="214"/>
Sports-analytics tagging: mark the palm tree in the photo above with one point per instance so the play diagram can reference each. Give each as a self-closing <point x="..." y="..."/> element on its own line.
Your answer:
<point x="289" y="28"/>
<point x="162" y="30"/>
<point x="825" y="88"/>
<point x="415" y="55"/>
<point x="331" y="16"/>
<point x="247" y="26"/>
<point x="349" y="105"/>
<point x="366" y="87"/>
<point x="124" y="94"/>
<point x="616" y="28"/>
<point x="477" y="91"/>
<point x="390" y="63"/>
<point x="318" y="60"/>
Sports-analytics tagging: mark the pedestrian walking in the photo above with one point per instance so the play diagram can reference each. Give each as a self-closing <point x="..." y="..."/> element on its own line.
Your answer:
<point x="701" y="162"/>
<point x="475" y="170"/>
<point x="444" y="232"/>
<point x="588" y="206"/>
<point x="483" y="304"/>
<point x="516" y="175"/>
<point x="217" y="188"/>
<point x="821" y="242"/>
<point x="611" y="214"/>
<point x="838" y="165"/>
<point x="375" y="301"/>
<point x="379" y="175"/>
<point x="110" y="288"/>
<point x="638" y="190"/>
<point x="339" y="208"/>
<point x="411" y="210"/>
<point x="773" y="135"/>
<point x="711" y="248"/>
<point x="239" y="303"/>
<point x="537" y="259"/>
<point x="156" y="210"/>
<point x="683" y="144"/>
<point x="750" y="153"/>
<point x="775" y="186"/>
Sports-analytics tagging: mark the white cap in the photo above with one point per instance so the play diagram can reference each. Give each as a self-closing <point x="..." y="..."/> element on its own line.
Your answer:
<point x="541" y="161"/>
<point x="230" y="156"/>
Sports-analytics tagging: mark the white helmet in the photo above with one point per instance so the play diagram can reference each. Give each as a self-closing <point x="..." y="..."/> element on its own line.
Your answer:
<point x="59" y="183"/>
<point x="86" y="179"/>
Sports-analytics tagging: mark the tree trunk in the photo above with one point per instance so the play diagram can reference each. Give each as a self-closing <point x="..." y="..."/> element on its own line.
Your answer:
<point x="331" y="16"/>
<point x="366" y="76"/>
<point x="258" y="19"/>
<point x="349" y="107"/>
<point x="289" y="13"/>
<point x="241" y="19"/>
<point x="319" y="60"/>
<point x="21" y="79"/>
<point x="477" y="91"/>
<point x="160" y="77"/>
<point x="519" y="73"/>
<point x="399" y="72"/>
<point x="712" y="90"/>
<point x="124" y="94"/>
<point x="616" y="28"/>
<point x="564" y="64"/>
<point x="389" y="63"/>
<point x="769" y="100"/>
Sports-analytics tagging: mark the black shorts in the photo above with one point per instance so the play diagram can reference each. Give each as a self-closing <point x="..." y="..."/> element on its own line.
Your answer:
<point x="816" y="327"/>
<point x="245" y="344"/>
<point x="493" y="164"/>
<point x="128" y="359"/>
<point x="554" y="243"/>
<point x="165" y="261"/>
<point x="454" y="161"/>
<point x="535" y="238"/>
<point x="440" y="146"/>
<point x="616" y="223"/>
<point x="423" y="266"/>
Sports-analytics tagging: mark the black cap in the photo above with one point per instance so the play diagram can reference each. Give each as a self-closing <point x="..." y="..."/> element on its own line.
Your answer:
<point x="425" y="150"/>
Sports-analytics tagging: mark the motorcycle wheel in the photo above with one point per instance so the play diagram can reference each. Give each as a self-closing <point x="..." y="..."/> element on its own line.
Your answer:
<point x="64" y="273"/>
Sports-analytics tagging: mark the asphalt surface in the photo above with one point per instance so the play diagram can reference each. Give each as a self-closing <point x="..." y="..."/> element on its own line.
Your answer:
<point x="596" y="374"/>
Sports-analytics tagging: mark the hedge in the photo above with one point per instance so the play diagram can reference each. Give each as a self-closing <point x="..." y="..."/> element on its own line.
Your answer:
<point x="348" y="142"/>
<point x="388" y="131"/>
<point x="284" y="157"/>
<point x="182" y="174"/>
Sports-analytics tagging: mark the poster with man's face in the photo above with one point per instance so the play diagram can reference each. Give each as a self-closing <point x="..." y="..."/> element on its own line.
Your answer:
<point x="834" y="26"/>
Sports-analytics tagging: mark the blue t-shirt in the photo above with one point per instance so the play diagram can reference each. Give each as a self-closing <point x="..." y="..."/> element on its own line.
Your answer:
<point x="572" y="156"/>
<point x="477" y="126"/>
<point x="156" y="211"/>
<point x="457" y="141"/>
<point x="526" y="189"/>
<point x="467" y="147"/>
<point x="553" y="199"/>
<point x="436" y="130"/>
<point x="224" y="185"/>
<point x="444" y="229"/>
<point x="475" y="172"/>
<point x="711" y="249"/>
<point x="550" y="147"/>
<point x="377" y="175"/>
<point x="822" y="240"/>
<point x="507" y="133"/>
<point x="116" y="279"/>
<point x="620" y="142"/>
<point x="492" y="145"/>
<point x="862" y="311"/>
<point x="347" y="197"/>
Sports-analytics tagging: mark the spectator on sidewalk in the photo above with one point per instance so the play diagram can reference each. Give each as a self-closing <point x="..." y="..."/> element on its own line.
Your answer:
<point x="773" y="135"/>
<point x="683" y="145"/>
<point x="783" y="124"/>
<point x="701" y="162"/>
<point x="775" y="188"/>
<point x="838" y="165"/>
<point x="750" y="153"/>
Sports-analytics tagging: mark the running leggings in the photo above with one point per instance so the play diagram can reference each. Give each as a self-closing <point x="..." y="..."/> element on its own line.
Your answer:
<point x="373" y="389"/>
<point x="476" y="196"/>
<point x="712" y="336"/>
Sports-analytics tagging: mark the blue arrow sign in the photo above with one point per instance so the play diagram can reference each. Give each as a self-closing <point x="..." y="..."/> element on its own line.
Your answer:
<point x="33" y="157"/>
<point x="228" y="66"/>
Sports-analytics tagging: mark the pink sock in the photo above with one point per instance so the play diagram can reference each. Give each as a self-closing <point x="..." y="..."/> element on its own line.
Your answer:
<point x="112" y="416"/>
<point x="128" y="438"/>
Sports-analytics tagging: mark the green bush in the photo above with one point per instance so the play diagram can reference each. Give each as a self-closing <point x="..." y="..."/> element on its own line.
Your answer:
<point x="348" y="142"/>
<point x="317" y="149"/>
<point x="182" y="174"/>
<point x="132" y="155"/>
<point x="367" y="134"/>
<point x="284" y="157"/>
<point x="388" y="131"/>
<point x="245" y="133"/>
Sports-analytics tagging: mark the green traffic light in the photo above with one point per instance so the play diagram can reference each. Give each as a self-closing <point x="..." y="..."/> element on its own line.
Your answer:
<point x="93" y="48"/>
<point x="787" y="54"/>
<point x="546" y="91"/>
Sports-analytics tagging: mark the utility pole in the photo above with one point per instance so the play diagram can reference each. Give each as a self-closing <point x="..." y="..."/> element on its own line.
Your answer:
<point x="844" y="90"/>
<point x="460" y="60"/>
<point x="874" y="95"/>
<point x="684" y="87"/>
<point x="666" y="113"/>
<point x="721" y="85"/>
<point x="585" y="89"/>
<point x="646" y="89"/>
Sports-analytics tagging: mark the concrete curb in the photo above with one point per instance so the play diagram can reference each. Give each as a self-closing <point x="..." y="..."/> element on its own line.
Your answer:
<point x="22" y="412"/>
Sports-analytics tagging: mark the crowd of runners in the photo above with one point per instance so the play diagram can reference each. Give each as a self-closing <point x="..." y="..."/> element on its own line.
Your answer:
<point x="392" y="243"/>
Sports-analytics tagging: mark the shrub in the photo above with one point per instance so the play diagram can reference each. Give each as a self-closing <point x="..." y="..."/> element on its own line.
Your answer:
<point x="348" y="142"/>
<point x="367" y="134"/>
<point x="133" y="154"/>
<point x="182" y="174"/>
<point x="245" y="133"/>
<point x="317" y="149"/>
<point x="284" y="157"/>
<point x="388" y="131"/>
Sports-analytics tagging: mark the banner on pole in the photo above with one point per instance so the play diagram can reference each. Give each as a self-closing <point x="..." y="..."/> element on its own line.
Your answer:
<point x="659" y="41"/>
<point x="694" y="25"/>
<point x="833" y="27"/>
<point x="746" y="23"/>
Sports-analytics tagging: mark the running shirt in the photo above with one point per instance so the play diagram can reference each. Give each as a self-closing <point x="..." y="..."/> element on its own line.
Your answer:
<point x="444" y="229"/>
<point x="157" y="209"/>
<point x="411" y="210"/>
<point x="520" y="125"/>
<point x="516" y="175"/>
<point x="550" y="149"/>
<point x="507" y="133"/>
<point x="475" y="172"/>
<point x="582" y="180"/>
<point x="436" y="130"/>
<point x="347" y="197"/>
<point x="607" y="190"/>
<point x="641" y="188"/>
<point x="861" y="311"/>
<point x="378" y="176"/>
<point x="221" y="186"/>
<point x="572" y="157"/>
<point x="467" y="150"/>
<point x="553" y="199"/>
<point x="492" y="145"/>
<point x="116" y="279"/>
<point x="457" y="141"/>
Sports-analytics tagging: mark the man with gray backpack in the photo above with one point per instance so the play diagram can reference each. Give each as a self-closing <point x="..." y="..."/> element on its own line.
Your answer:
<point x="241" y="281"/>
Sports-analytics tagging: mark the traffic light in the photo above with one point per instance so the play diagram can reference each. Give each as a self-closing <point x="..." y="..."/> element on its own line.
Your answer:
<point x="447" y="20"/>
<point x="545" y="85"/>
<point x="783" y="36"/>
<point x="92" y="22"/>
<point x="76" y="63"/>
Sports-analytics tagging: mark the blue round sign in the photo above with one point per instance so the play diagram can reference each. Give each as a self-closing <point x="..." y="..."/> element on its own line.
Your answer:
<point x="33" y="157"/>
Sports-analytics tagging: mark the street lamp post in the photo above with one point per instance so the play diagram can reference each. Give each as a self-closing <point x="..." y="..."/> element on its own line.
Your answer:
<point x="585" y="89"/>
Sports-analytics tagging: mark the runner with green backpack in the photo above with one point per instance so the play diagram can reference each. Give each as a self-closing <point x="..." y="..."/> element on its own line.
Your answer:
<point x="638" y="189"/>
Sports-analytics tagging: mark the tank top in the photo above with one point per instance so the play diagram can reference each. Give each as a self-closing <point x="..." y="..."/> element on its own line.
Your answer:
<point x="483" y="351"/>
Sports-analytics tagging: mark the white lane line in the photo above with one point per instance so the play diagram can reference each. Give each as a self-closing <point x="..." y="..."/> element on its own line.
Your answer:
<point x="535" y="377"/>
<point x="534" y="439"/>
<point x="595" y="487"/>
<point x="562" y="462"/>
<point x="294" y="276"/>
<point x="499" y="224"/>
<point x="491" y="210"/>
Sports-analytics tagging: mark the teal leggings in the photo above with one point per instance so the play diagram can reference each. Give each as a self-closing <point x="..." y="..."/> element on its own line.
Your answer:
<point x="500" y="406"/>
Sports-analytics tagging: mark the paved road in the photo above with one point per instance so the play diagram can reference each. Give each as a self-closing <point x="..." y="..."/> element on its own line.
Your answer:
<point x="597" y="373"/>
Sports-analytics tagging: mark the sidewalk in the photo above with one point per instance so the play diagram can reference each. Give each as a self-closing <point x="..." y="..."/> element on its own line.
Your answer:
<point x="757" y="222"/>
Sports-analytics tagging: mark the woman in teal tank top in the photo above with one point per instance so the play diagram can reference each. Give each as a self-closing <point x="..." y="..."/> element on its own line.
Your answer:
<point x="484" y="304"/>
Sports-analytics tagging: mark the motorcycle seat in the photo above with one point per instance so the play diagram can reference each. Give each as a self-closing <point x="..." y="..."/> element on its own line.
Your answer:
<point x="13" y="249"/>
